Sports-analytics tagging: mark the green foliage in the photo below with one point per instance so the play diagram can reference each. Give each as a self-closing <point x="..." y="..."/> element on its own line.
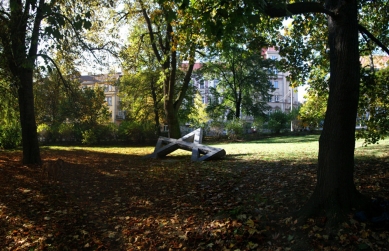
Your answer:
<point x="312" y="112"/>
<point x="10" y="136"/>
<point x="89" y="137"/>
<point x="216" y="127"/>
<point x="373" y="111"/>
<point x="198" y="116"/>
<point x="259" y="123"/>
<point x="235" y="128"/>
<point x="244" y="81"/>
<point x="86" y="106"/>
<point x="141" y="96"/>
<point x="136" y="132"/>
<point x="67" y="131"/>
<point x="278" y="120"/>
<point x="10" y="131"/>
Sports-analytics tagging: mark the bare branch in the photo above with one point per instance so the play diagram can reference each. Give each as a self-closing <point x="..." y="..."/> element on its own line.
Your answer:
<point x="151" y="33"/>
<point x="3" y="14"/>
<point x="46" y="57"/>
<point x="373" y="38"/>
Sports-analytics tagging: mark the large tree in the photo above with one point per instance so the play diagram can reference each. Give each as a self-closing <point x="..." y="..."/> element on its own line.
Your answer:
<point x="243" y="76"/>
<point x="141" y="91"/>
<point x="31" y="29"/>
<point x="335" y="194"/>
<point x="173" y="35"/>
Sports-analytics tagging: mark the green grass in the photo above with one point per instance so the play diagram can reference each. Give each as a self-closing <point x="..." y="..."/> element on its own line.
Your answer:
<point x="281" y="148"/>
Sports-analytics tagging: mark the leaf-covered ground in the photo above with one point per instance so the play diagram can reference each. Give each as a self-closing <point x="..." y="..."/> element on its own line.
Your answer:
<point x="114" y="199"/>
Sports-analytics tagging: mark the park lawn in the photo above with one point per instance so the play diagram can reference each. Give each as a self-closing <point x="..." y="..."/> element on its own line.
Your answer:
<point x="112" y="198"/>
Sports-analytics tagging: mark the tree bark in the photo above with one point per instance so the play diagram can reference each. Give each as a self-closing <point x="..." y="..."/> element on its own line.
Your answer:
<point x="31" y="152"/>
<point x="21" y="61"/>
<point x="335" y="194"/>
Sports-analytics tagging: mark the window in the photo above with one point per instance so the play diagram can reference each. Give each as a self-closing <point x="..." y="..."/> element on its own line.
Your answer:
<point x="273" y="57"/>
<point x="275" y="84"/>
<point x="270" y="98"/>
<point x="203" y="99"/>
<point x="120" y="115"/>
<point x="275" y="71"/>
<point x="276" y="98"/>
<point x="202" y="84"/>
<point x="109" y="101"/>
<point x="105" y="88"/>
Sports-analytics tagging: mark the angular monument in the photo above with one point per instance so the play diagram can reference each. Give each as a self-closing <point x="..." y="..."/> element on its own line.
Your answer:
<point x="190" y="142"/>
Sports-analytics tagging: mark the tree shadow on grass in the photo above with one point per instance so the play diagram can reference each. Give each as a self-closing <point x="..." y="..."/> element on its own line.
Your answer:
<point x="123" y="202"/>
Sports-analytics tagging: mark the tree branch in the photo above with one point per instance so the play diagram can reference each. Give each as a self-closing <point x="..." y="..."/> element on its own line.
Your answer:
<point x="46" y="57"/>
<point x="372" y="37"/>
<point x="5" y="14"/>
<point x="151" y="33"/>
<point x="296" y="9"/>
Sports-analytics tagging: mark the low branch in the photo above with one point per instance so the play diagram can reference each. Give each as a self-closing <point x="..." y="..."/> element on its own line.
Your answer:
<point x="296" y="9"/>
<point x="46" y="57"/>
<point x="2" y="12"/>
<point x="373" y="38"/>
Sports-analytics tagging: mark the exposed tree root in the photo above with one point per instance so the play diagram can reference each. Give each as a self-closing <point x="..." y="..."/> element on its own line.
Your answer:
<point x="333" y="209"/>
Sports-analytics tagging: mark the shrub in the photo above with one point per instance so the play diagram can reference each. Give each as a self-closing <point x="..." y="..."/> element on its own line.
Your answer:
<point x="108" y="132"/>
<point x="89" y="137"/>
<point x="278" y="121"/>
<point x="66" y="131"/>
<point x="43" y="131"/>
<point x="235" y="129"/>
<point x="136" y="131"/>
<point x="10" y="136"/>
<point x="216" y="128"/>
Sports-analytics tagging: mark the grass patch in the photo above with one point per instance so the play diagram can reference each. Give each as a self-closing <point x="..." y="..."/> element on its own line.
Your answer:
<point x="111" y="198"/>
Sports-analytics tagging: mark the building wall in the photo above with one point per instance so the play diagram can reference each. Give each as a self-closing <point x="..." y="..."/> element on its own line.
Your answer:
<point x="107" y="82"/>
<point x="283" y="95"/>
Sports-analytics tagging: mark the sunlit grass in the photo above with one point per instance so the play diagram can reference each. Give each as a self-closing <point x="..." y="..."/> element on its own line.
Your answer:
<point x="291" y="148"/>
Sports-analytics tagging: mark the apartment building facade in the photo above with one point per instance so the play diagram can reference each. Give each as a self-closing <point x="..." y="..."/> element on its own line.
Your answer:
<point x="111" y="92"/>
<point x="284" y="97"/>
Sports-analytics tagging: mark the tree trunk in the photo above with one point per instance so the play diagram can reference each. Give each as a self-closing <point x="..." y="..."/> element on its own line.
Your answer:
<point x="31" y="152"/>
<point x="335" y="194"/>
<point x="172" y="120"/>
<point x="237" y="108"/>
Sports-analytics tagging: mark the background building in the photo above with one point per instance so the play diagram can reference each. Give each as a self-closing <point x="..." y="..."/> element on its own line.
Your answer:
<point x="284" y="96"/>
<point x="111" y="91"/>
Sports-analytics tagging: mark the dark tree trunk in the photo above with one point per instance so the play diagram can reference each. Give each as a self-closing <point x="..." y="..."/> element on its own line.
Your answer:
<point x="155" y="107"/>
<point x="31" y="152"/>
<point x="21" y="66"/>
<point x="237" y="108"/>
<point x="335" y="194"/>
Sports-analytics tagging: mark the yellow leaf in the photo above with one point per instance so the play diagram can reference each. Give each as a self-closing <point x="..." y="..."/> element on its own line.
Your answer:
<point x="250" y="223"/>
<point x="364" y="234"/>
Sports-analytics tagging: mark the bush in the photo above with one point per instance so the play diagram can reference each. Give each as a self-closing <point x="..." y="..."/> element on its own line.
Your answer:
<point x="89" y="137"/>
<point x="235" y="129"/>
<point x="66" y="131"/>
<point x="278" y="121"/>
<point x="215" y="128"/>
<point x="136" y="131"/>
<point x="43" y="131"/>
<point x="10" y="136"/>
<point x="108" y="132"/>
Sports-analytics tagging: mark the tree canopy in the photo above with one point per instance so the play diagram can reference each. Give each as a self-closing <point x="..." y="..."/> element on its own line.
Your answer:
<point x="243" y="81"/>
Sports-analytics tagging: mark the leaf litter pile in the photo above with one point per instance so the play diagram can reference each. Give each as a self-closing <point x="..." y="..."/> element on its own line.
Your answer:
<point x="113" y="201"/>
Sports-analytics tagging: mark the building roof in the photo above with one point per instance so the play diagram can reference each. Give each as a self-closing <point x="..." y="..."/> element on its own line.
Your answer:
<point x="101" y="78"/>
